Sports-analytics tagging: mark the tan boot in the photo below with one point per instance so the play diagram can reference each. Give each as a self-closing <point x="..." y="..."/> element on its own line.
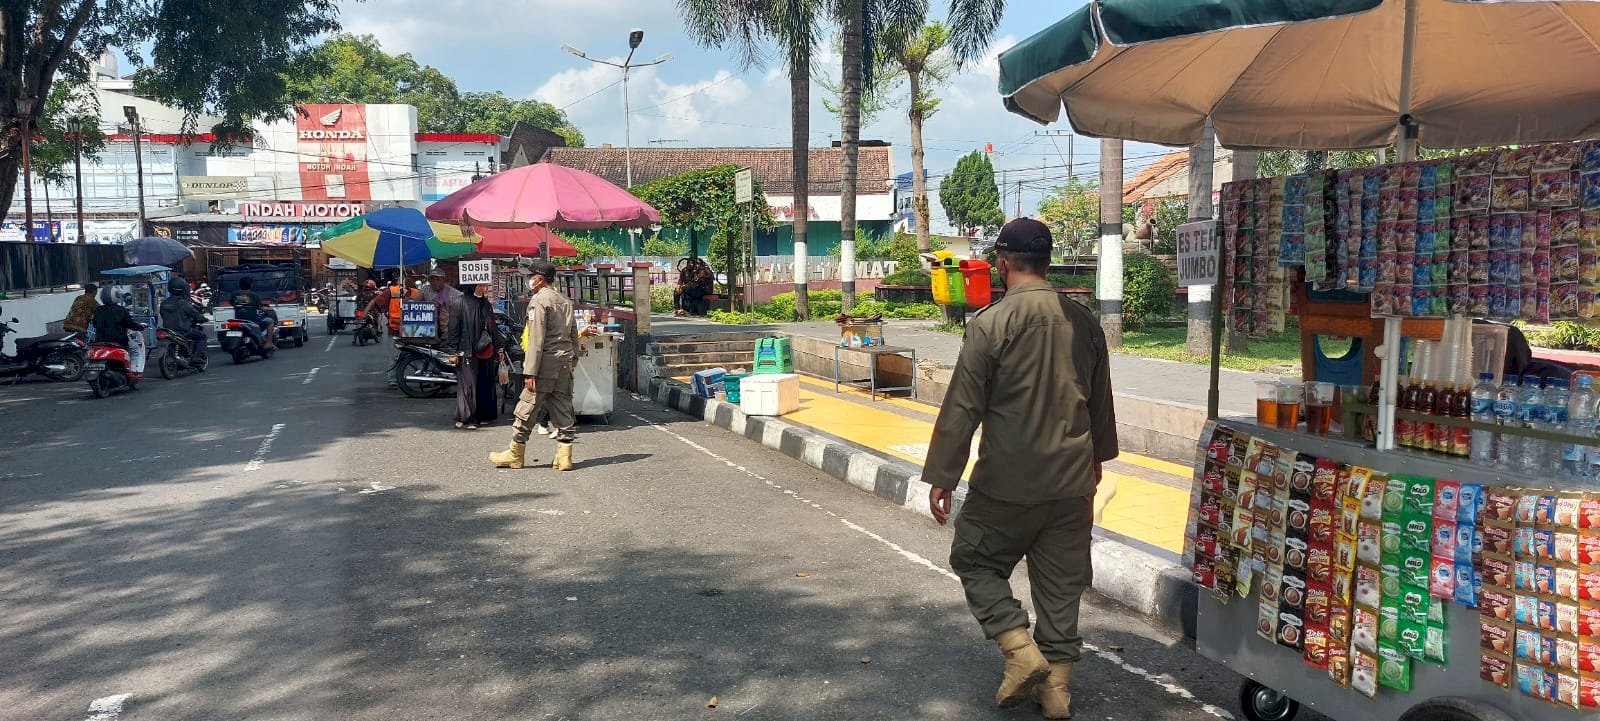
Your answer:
<point x="511" y="457"/>
<point x="563" y="461"/>
<point x="1053" y="696"/>
<point x="1025" y="667"/>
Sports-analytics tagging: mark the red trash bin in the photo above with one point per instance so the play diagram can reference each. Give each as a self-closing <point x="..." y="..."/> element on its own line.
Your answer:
<point x="975" y="280"/>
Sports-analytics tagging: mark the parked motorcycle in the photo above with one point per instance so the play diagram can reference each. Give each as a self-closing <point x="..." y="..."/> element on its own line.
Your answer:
<point x="179" y="355"/>
<point x="366" y="329"/>
<point x="242" y="339"/>
<point x="57" y="356"/>
<point x="424" y="371"/>
<point x="110" y="369"/>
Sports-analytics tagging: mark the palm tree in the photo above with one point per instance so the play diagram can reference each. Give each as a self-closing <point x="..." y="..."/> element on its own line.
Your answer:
<point x="863" y="25"/>
<point x="794" y="26"/>
<point x="921" y="58"/>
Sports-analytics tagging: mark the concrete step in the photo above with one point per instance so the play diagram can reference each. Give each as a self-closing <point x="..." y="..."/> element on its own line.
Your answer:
<point x="745" y="358"/>
<point x="720" y="336"/>
<point x="688" y="369"/>
<point x="725" y="346"/>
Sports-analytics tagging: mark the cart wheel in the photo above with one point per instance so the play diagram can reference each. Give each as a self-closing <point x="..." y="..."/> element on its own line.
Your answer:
<point x="1260" y="703"/>
<point x="605" y="419"/>
<point x="1449" y="708"/>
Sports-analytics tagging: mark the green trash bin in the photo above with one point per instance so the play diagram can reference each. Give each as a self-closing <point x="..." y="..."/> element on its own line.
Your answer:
<point x="730" y="387"/>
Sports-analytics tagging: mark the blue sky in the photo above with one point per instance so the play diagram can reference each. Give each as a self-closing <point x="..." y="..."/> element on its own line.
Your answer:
<point x="702" y="97"/>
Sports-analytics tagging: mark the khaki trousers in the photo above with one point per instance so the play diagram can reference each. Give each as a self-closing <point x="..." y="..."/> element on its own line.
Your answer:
<point x="992" y="536"/>
<point x="553" y="396"/>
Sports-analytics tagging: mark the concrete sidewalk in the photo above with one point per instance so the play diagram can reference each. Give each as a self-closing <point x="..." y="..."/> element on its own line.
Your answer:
<point x="879" y="446"/>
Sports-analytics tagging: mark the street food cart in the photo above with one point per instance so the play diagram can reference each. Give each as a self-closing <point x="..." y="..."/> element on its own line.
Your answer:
<point x="1380" y="576"/>
<point x="1401" y="564"/>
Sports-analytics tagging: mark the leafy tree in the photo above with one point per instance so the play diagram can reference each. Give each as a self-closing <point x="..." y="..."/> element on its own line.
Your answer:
<point x="793" y="29"/>
<point x="702" y="201"/>
<point x="220" y="58"/>
<point x="1072" y="212"/>
<point x="969" y="194"/>
<point x="1166" y="215"/>
<point x="1291" y="162"/>
<point x="660" y="247"/>
<point x="355" y="69"/>
<point x="497" y="113"/>
<point x="1148" y="289"/>
<point x="54" y="142"/>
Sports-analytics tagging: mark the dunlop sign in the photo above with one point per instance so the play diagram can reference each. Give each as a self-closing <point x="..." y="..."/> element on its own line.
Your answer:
<point x="1197" y="253"/>
<point x="214" y="187"/>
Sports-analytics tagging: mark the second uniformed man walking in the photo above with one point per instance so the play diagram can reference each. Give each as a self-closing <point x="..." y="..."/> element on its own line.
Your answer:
<point x="551" y="354"/>
<point x="1034" y="372"/>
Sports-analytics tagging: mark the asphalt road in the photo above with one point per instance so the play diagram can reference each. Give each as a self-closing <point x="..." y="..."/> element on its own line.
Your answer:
<point x="289" y="540"/>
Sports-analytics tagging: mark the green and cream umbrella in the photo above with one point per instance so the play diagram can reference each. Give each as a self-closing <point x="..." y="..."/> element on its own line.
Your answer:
<point x="1315" y="74"/>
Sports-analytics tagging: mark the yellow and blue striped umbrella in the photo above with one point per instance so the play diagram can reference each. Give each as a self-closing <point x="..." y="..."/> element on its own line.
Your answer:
<point x="396" y="237"/>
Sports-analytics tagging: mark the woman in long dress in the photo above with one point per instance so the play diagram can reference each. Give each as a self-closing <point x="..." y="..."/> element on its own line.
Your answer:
<point x="473" y="338"/>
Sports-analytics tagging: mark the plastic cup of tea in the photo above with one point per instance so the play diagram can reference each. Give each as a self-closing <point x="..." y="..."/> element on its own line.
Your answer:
<point x="1289" y="397"/>
<point x="1267" y="403"/>
<point x="1320" y="399"/>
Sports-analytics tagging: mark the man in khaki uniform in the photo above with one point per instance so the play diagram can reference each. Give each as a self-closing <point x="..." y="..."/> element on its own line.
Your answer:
<point x="552" y="353"/>
<point x="1035" y="373"/>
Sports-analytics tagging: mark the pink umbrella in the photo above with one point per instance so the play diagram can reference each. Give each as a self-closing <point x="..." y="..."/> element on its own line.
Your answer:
<point x="544" y="194"/>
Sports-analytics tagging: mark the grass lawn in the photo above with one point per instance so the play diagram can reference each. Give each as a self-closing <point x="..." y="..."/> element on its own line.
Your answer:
<point x="1278" y="355"/>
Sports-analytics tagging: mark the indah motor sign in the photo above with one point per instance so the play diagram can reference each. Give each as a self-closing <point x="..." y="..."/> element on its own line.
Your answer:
<point x="1197" y="253"/>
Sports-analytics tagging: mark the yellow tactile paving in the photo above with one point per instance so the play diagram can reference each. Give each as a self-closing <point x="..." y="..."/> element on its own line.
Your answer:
<point x="1151" y="512"/>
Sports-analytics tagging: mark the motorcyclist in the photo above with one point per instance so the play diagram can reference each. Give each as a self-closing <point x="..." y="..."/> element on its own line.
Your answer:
<point x="180" y="315"/>
<point x="247" y="306"/>
<point x="111" y="322"/>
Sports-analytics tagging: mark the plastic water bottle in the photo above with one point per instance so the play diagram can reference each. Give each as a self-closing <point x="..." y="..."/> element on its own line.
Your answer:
<point x="1555" y="420"/>
<point x="1507" y="402"/>
<point x="1483" y="412"/>
<point x="1530" y="411"/>
<point x="1580" y="422"/>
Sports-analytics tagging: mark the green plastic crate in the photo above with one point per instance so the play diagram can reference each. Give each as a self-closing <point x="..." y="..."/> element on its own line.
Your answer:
<point x="774" y="355"/>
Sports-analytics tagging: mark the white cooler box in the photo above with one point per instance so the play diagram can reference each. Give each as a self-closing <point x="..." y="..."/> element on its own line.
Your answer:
<point x="769" y="394"/>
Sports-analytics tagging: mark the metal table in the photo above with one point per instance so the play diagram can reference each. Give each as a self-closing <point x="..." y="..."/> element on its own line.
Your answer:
<point x="871" y="381"/>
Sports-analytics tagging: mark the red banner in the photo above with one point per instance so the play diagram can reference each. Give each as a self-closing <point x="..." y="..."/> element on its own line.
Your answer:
<point x="332" y="142"/>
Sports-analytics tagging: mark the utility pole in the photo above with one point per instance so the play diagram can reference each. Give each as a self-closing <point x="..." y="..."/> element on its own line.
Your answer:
<point x="75" y="126"/>
<point x="635" y="37"/>
<point x="132" y="114"/>
<point x="1019" y="199"/>
<point x="25" y="110"/>
<point x="1202" y="163"/>
<point x="1108" y="274"/>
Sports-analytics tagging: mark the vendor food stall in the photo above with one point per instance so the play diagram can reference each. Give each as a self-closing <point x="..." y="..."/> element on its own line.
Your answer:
<point x="1465" y="565"/>
<point x="1402" y="573"/>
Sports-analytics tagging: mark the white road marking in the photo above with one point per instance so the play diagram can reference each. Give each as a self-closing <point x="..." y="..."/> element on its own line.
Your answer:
<point x="331" y="341"/>
<point x="1163" y="681"/>
<point x="376" y="487"/>
<point x="107" y="707"/>
<point x="266" y="445"/>
<point x="311" y="375"/>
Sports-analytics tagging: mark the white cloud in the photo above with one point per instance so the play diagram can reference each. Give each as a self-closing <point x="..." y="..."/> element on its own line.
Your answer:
<point x="426" y="27"/>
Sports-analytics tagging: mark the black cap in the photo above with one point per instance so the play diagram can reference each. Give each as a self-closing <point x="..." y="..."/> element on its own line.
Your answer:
<point x="438" y="273"/>
<point x="543" y="267"/>
<point x="1025" y="235"/>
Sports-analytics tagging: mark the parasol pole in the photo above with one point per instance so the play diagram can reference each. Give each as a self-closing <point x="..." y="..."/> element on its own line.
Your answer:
<point x="1406" y="148"/>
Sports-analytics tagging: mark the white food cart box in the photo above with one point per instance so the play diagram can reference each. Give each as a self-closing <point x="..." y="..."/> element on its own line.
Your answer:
<point x="595" y="379"/>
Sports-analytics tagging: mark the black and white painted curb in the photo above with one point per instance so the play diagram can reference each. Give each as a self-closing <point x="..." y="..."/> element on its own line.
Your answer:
<point x="1144" y="578"/>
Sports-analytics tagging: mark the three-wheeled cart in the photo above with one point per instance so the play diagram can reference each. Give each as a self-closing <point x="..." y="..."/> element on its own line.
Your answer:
<point x="344" y="304"/>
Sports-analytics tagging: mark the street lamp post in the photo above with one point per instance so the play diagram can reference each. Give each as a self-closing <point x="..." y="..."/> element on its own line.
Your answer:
<point x="635" y="37"/>
<point x="25" y="110"/>
<point x="132" y="114"/>
<point x="75" y="126"/>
